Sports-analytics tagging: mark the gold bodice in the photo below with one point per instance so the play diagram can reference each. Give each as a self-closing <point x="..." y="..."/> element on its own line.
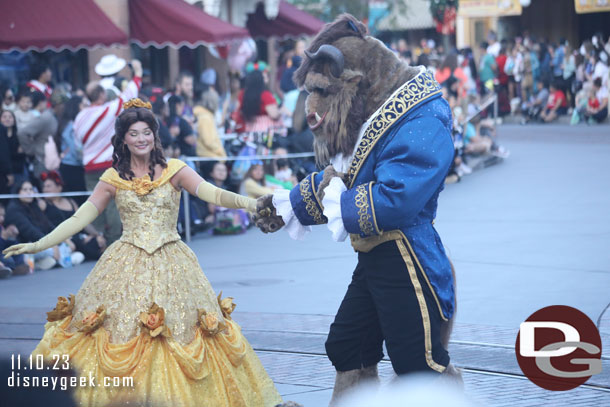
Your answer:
<point x="148" y="209"/>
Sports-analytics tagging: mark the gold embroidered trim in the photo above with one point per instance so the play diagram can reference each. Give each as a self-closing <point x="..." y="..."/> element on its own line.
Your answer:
<point x="310" y="206"/>
<point x="438" y="303"/>
<point x="361" y="201"/>
<point x="418" y="89"/>
<point x="423" y="307"/>
<point x="315" y="192"/>
<point x="373" y="208"/>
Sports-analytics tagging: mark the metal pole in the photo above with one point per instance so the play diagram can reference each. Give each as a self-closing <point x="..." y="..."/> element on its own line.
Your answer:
<point x="187" y="216"/>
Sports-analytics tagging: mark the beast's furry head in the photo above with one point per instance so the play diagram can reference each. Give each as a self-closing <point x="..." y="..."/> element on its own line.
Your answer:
<point x="348" y="75"/>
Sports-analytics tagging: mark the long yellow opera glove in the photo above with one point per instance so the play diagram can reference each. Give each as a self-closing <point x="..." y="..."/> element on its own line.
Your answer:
<point x="220" y="197"/>
<point x="71" y="226"/>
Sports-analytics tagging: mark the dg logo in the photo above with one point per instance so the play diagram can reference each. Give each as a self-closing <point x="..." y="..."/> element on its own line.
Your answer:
<point x="559" y="348"/>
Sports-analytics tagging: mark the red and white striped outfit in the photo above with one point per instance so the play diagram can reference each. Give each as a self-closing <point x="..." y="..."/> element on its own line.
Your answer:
<point x="94" y="128"/>
<point x="41" y="87"/>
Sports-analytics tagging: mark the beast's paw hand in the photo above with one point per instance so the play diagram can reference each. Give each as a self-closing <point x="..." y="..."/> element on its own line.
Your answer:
<point x="268" y="224"/>
<point x="329" y="173"/>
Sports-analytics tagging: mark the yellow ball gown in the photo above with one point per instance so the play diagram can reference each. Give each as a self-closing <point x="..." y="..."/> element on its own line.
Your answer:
<point x="148" y="312"/>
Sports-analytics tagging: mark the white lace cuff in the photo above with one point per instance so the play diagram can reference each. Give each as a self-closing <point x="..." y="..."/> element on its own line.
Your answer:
<point x="283" y="207"/>
<point x="332" y="208"/>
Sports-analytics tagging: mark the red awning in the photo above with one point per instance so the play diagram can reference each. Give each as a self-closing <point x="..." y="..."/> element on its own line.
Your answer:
<point x="174" y="22"/>
<point x="41" y="25"/>
<point x="290" y="22"/>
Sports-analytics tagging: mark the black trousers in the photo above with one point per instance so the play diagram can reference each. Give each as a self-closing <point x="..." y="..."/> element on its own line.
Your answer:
<point x="388" y="299"/>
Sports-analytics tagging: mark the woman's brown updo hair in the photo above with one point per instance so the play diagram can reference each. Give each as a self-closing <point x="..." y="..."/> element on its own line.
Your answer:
<point x="135" y="110"/>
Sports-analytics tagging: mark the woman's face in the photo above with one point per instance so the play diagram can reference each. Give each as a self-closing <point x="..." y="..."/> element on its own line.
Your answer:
<point x="25" y="193"/>
<point x="257" y="172"/>
<point x="50" y="187"/>
<point x="9" y="97"/>
<point x="219" y="172"/>
<point x="140" y="139"/>
<point x="7" y="119"/>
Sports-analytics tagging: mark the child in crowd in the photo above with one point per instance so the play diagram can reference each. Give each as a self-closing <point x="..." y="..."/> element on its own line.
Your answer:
<point x="24" y="113"/>
<point x="556" y="106"/>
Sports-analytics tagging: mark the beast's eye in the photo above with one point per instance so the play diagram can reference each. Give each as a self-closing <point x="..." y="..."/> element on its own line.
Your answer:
<point x="321" y="91"/>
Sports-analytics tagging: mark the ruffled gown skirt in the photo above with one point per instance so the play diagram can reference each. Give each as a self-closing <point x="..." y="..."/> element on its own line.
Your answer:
<point x="154" y="318"/>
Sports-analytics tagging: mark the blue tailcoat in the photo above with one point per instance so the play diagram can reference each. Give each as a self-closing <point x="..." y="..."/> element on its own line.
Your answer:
<point x="394" y="180"/>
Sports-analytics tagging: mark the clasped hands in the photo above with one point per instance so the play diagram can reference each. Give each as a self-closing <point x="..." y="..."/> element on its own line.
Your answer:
<point x="267" y="219"/>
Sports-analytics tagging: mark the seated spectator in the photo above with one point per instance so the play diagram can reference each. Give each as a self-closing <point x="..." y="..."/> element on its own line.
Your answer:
<point x="208" y="142"/>
<point x="36" y="138"/>
<point x="224" y="221"/>
<point x="254" y="184"/>
<point x="15" y="265"/>
<point x="532" y="108"/>
<point x="29" y="216"/>
<point x="24" y="113"/>
<point x="556" y="105"/>
<point x="71" y="169"/>
<point x="90" y="242"/>
<point x="597" y="108"/>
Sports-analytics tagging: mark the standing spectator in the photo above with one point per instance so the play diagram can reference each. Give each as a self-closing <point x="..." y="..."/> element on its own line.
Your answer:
<point x="41" y="78"/>
<point x="527" y="82"/>
<point x="39" y="132"/>
<point x="93" y="129"/>
<point x="556" y="106"/>
<point x="494" y="46"/>
<point x="71" y="168"/>
<point x="487" y="69"/>
<point x="179" y="127"/>
<point x="8" y="98"/>
<point x="545" y="64"/>
<point x="185" y="89"/>
<point x="208" y="142"/>
<point x="597" y="111"/>
<point x="24" y="113"/>
<point x="108" y="68"/>
<point x="17" y="156"/>
<point x="558" y="59"/>
<point x="258" y="110"/>
<point x="569" y="73"/>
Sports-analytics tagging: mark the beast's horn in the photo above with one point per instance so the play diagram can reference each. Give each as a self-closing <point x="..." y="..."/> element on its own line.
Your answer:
<point x="335" y="55"/>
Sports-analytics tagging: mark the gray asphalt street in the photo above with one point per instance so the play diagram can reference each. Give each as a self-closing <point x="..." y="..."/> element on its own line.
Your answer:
<point x="529" y="232"/>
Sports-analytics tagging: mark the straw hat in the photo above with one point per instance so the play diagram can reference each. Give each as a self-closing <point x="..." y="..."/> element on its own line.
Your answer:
<point x="109" y="65"/>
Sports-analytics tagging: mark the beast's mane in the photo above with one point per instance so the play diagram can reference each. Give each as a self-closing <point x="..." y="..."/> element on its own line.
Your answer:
<point x="344" y="26"/>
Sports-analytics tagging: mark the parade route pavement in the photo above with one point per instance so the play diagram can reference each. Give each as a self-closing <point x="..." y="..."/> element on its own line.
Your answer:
<point x="529" y="232"/>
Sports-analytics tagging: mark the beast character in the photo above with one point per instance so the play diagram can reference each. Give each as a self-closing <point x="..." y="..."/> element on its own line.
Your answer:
<point x="383" y="131"/>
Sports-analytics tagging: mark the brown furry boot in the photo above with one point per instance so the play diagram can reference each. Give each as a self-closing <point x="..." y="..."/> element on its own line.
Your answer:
<point x="344" y="381"/>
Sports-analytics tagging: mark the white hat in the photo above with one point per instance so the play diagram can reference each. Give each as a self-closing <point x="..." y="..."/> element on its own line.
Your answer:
<point x="109" y="65"/>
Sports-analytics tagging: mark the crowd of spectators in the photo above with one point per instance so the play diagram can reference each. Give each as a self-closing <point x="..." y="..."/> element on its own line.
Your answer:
<point x="56" y="139"/>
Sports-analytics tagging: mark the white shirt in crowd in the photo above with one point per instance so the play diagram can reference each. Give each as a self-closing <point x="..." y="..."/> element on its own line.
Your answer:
<point x="94" y="128"/>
